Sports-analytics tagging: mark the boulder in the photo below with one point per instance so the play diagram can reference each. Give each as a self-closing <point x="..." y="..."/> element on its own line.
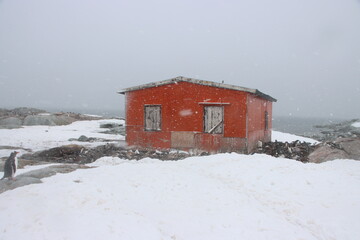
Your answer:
<point x="110" y="125"/>
<point x="83" y="138"/>
<point x="325" y="152"/>
<point x="351" y="146"/>
<point x="341" y="148"/>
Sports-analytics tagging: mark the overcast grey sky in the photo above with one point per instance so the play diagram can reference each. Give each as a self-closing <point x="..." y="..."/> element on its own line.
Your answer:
<point x="71" y="54"/>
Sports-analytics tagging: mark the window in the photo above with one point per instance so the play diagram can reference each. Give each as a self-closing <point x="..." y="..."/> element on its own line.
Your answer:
<point x="213" y="119"/>
<point x="266" y="120"/>
<point x="153" y="118"/>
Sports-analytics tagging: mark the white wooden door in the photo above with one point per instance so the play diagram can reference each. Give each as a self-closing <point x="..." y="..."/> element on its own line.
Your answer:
<point x="214" y="119"/>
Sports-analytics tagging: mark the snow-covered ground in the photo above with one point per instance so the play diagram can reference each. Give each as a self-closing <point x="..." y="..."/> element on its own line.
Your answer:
<point x="43" y="137"/>
<point x="287" y="137"/>
<point x="223" y="196"/>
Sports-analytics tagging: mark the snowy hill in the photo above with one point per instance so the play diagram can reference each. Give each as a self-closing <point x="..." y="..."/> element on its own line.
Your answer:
<point x="223" y="196"/>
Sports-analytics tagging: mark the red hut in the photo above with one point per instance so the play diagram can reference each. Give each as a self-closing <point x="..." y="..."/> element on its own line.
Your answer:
<point x="186" y="113"/>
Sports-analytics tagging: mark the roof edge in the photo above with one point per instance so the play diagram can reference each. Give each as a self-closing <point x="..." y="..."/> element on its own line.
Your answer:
<point x="200" y="82"/>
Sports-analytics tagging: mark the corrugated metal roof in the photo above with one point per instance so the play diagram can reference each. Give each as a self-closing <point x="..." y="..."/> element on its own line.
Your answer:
<point x="200" y="82"/>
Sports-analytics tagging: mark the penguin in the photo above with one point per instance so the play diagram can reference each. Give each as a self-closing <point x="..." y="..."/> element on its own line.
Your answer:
<point x="10" y="166"/>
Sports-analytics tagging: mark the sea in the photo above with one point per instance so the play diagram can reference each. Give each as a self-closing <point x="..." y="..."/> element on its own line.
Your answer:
<point x="302" y="126"/>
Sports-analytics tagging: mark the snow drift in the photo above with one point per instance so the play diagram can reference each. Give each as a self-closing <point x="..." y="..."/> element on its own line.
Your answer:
<point x="224" y="196"/>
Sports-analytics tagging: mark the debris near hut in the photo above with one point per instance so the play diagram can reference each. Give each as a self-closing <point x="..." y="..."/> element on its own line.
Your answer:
<point x="74" y="153"/>
<point x="296" y="150"/>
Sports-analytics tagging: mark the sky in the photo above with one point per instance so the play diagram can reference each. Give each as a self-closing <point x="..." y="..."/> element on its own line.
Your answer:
<point x="76" y="54"/>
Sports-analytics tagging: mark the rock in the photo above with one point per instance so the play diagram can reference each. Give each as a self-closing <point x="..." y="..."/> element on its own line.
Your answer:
<point x="351" y="146"/>
<point x="294" y="150"/>
<point x="325" y="152"/>
<point x="83" y="138"/>
<point x="110" y="125"/>
<point x="63" y="151"/>
<point x="38" y="120"/>
<point x="10" y="122"/>
<point x="81" y="155"/>
<point x="74" y="154"/>
<point x="33" y="116"/>
<point x="48" y="120"/>
<point x="341" y="148"/>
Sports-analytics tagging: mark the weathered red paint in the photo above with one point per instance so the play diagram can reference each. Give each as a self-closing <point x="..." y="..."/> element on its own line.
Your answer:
<point x="256" y="121"/>
<point x="182" y="110"/>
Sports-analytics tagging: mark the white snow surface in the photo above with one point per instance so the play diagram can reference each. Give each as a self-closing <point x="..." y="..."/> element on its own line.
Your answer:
<point x="224" y="196"/>
<point x="356" y="124"/>
<point x="287" y="137"/>
<point x="44" y="137"/>
<point x="217" y="197"/>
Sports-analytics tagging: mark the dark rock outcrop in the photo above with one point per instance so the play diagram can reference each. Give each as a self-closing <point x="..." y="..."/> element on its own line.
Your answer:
<point x="81" y="155"/>
<point x="294" y="150"/>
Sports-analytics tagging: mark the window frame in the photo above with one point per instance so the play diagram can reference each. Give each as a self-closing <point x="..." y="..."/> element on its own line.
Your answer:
<point x="160" y="118"/>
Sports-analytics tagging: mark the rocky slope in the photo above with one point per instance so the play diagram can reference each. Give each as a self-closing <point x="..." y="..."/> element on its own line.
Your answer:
<point x="17" y="117"/>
